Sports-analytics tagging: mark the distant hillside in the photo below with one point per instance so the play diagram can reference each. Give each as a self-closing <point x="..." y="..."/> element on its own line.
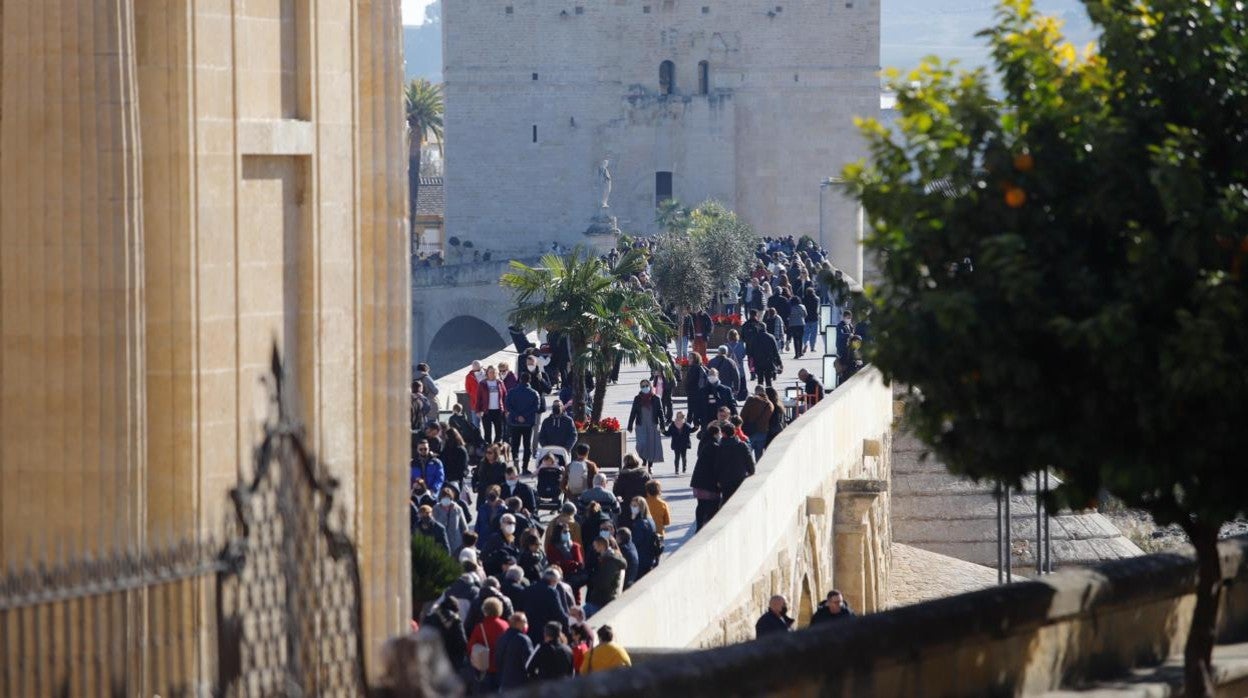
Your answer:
<point x="422" y="49"/>
<point x="911" y="30"/>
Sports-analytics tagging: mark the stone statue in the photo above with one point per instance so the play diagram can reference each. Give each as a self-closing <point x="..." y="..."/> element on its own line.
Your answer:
<point x="604" y="178"/>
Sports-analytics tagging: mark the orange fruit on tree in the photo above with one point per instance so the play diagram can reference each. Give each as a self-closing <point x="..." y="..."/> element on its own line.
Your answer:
<point x="1015" y="197"/>
<point x="1024" y="162"/>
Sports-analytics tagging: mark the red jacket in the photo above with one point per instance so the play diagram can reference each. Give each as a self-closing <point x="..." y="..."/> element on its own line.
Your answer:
<point x="470" y="387"/>
<point x="482" y="402"/>
<point x="490" y="629"/>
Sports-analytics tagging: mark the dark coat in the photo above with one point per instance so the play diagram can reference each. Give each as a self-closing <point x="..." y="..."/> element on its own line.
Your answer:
<point x="604" y="586"/>
<point x="629" y="551"/>
<point x="557" y="430"/>
<point x="681" y="436"/>
<point x="490" y="474"/>
<point x="640" y="401"/>
<point x="729" y="373"/>
<point x="451" y="630"/>
<point x="823" y="615"/>
<point x="542" y="604"/>
<point x="631" y="482"/>
<point x="771" y="624"/>
<point x="524" y="405"/>
<point x="454" y="464"/>
<point x="468" y="430"/>
<point x="551" y="661"/>
<point x="717" y="396"/>
<point x="430" y="529"/>
<point x="734" y="464"/>
<point x="515" y="592"/>
<point x="525" y="493"/>
<point x="765" y="353"/>
<point x="704" y="476"/>
<point x="646" y="540"/>
<point x="514" y="648"/>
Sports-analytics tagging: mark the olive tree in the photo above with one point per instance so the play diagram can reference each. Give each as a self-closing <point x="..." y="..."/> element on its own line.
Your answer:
<point x="1063" y="267"/>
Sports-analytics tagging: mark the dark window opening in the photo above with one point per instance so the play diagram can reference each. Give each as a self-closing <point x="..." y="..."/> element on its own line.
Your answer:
<point x="534" y="133"/>
<point x="706" y="10"/>
<point x="667" y="77"/>
<point x="704" y="78"/>
<point x="534" y="76"/>
<point x="580" y="10"/>
<point x="645" y="9"/>
<point x="510" y="9"/>
<point x="662" y="187"/>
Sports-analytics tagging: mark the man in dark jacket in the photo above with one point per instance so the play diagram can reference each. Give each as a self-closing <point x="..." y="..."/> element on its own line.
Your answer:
<point x="444" y="618"/>
<point x="558" y="429"/>
<point x="832" y="609"/>
<point x="704" y="481"/>
<point x="513" y="487"/>
<point x="717" y="395"/>
<point x="624" y="538"/>
<point x="524" y="406"/>
<point x="514" y="648"/>
<point x="553" y="658"/>
<point x="776" y="620"/>
<point x="729" y="373"/>
<point x="811" y="387"/>
<point x="764" y="351"/>
<point x="544" y="603"/>
<point x="734" y="463"/>
<point x="424" y="524"/>
<point x="514" y="586"/>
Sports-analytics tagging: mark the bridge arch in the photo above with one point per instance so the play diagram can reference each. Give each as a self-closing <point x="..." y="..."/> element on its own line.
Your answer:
<point x="460" y="340"/>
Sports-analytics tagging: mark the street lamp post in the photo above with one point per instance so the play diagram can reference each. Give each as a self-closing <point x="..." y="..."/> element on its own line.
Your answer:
<point x="830" y="181"/>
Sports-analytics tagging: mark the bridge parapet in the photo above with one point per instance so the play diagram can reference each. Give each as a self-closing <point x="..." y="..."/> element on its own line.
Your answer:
<point x="779" y="533"/>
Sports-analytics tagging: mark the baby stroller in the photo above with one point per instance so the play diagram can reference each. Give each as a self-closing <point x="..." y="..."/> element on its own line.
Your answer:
<point x="550" y="479"/>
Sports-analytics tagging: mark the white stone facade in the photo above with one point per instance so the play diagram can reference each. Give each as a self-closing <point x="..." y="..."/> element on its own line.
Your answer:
<point x="785" y="80"/>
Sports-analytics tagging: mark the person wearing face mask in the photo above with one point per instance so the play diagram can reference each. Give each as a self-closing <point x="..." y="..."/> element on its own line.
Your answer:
<point x="717" y="395"/>
<point x="647" y="416"/>
<point x="776" y="620"/>
<point x="564" y="551"/>
<point x="531" y="365"/>
<point x="451" y="517"/>
<point x="500" y="546"/>
<point x="608" y="577"/>
<point x="524" y="407"/>
<point x="645" y="537"/>
<point x="630" y="483"/>
<point x="513" y="487"/>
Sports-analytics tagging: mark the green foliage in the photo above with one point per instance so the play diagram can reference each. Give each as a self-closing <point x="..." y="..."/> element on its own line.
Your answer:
<point x="725" y="242"/>
<point x="432" y="570"/>
<point x="1063" y="269"/>
<point x="423" y="111"/>
<point x="679" y="274"/>
<point x="672" y="216"/>
<point x="579" y="295"/>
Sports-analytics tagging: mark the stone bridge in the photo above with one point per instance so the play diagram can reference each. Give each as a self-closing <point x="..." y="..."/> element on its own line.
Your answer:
<point x="459" y="313"/>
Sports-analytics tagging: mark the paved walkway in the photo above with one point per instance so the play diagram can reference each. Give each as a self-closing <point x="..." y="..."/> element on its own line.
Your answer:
<point x="676" y="490"/>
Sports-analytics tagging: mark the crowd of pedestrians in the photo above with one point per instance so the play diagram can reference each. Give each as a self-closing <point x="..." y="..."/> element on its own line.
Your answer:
<point x="521" y="608"/>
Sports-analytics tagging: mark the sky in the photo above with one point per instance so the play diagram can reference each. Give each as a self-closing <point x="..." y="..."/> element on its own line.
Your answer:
<point x="414" y="11"/>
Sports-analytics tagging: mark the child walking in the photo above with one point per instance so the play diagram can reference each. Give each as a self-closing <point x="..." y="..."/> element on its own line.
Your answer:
<point x="681" y="431"/>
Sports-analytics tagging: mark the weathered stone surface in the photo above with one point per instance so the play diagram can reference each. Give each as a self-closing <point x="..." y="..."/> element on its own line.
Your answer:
<point x="181" y="186"/>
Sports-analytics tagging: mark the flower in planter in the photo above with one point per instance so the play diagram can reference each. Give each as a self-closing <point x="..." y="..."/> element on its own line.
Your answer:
<point x="607" y="425"/>
<point x="683" y="362"/>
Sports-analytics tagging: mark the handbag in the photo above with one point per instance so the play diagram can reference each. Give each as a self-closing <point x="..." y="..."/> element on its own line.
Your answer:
<point x="480" y="657"/>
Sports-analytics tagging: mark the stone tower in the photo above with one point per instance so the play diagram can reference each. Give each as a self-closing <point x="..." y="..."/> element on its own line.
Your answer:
<point x="747" y="102"/>
<point x="182" y="184"/>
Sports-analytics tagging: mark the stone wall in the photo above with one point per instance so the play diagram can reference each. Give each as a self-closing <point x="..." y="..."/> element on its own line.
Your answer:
<point x="814" y="516"/>
<point x="539" y="92"/>
<point x="182" y="186"/>
<point x="1074" y="626"/>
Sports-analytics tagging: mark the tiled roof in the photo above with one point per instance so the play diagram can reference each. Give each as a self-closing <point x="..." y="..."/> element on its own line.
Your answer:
<point x="429" y="198"/>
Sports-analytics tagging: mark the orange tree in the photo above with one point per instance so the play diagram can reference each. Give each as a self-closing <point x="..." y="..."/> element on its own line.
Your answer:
<point x="1064" y="267"/>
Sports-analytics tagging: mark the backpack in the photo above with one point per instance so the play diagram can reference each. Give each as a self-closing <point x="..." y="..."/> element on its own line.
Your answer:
<point x="578" y="477"/>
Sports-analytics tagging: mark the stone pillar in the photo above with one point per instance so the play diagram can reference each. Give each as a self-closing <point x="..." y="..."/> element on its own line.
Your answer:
<point x="861" y="560"/>
<point x="72" y="461"/>
<point x="383" y="331"/>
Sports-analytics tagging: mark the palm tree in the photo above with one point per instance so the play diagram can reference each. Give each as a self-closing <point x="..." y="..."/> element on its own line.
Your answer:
<point x="580" y="296"/>
<point x="672" y="216"/>
<point x="628" y="326"/>
<point x="423" y="104"/>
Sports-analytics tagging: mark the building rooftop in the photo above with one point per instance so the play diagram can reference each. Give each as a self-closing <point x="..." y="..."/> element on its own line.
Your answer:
<point x="430" y="199"/>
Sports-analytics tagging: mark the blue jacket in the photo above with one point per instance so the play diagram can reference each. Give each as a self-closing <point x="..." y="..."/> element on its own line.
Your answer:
<point x="514" y="648"/>
<point x="432" y="471"/>
<point x="524" y="404"/>
<point x="543" y="603"/>
<point x="558" y="430"/>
